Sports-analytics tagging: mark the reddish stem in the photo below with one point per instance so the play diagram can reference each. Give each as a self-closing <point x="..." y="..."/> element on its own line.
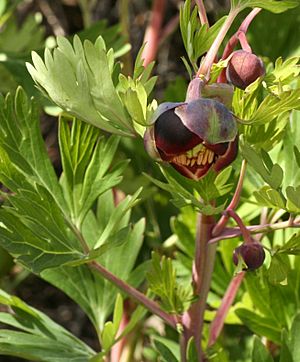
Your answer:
<point x="218" y="322"/>
<point x="153" y="31"/>
<point x="234" y="202"/>
<point x="205" y="67"/>
<point x="245" y="232"/>
<point x="230" y="233"/>
<point x="117" y="349"/>
<point x="202" y="12"/>
<point x="141" y="298"/>
<point x="244" y="42"/>
<point x="192" y="320"/>
<point x="240" y="35"/>
<point x="242" y="29"/>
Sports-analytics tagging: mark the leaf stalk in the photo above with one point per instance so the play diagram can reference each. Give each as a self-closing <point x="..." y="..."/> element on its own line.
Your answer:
<point x="141" y="298"/>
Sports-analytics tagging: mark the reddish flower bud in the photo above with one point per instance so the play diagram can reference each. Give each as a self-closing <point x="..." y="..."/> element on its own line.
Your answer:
<point x="244" y="68"/>
<point x="253" y="254"/>
<point x="193" y="137"/>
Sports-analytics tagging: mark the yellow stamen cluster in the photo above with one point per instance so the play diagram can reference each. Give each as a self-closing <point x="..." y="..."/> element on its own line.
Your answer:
<point x="199" y="155"/>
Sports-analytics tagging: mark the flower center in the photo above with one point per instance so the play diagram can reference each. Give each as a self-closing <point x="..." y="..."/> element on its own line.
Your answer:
<point x="199" y="155"/>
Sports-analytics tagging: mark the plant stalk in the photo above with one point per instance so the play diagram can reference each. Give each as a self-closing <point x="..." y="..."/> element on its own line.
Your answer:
<point x="153" y="31"/>
<point x="240" y="35"/>
<point x="233" y="203"/>
<point x="193" y="318"/>
<point x="218" y="322"/>
<point x="230" y="233"/>
<point x="202" y="12"/>
<point x="242" y="29"/>
<point x="244" y="231"/>
<point x="141" y="298"/>
<point x="205" y="67"/>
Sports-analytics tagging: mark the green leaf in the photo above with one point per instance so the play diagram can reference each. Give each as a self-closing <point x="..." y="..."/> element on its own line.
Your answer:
<point x="186" y="239"/>
<point x="120" y="261"/>
<point x="183" y="190"/>
<point x="30" y="35"/>
<point x="271" y="5"/>
<point x="262" y="326"/>
<point x="87" y="166"/>
<point x="119" y="213"/>
<point x="95" y="295"/>
<point x="84" y="286"/>
<point x="285" y="354"/>
<point x="295" y="335"/>
<point x="36" y="337"/>
<point x="272" y="175"/>
<point x="283" y="74"/>
<point x="34" y="229"/>
<point x="197" y="38"/>
<point x="269" y="197"/>
<point x="191" y="352"/>
<point x="259" y="352"/>
<point x="288" y="154"/>
<point x="259" y="291"/>
<point x="111" y="328"/>
<point x="134" y="94"/>
<point x="78" y="79"/>
<point x="168" y="350"/>
<point x="297" y="155"/>
<point x="293" y="199"/>
<point x="21" y="139"/>
<point x="174" y="297"/>
<point x="292" y="246"/>
<point x="278" y="270"/>
<point x="275" y="105"/>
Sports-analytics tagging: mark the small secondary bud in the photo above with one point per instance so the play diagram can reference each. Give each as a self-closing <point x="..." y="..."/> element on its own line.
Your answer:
<point x="244" y="68"/>
<point x="253" y="254"/>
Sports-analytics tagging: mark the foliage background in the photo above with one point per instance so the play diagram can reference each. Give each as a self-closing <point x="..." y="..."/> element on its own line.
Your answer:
<point x="25" y="31"/>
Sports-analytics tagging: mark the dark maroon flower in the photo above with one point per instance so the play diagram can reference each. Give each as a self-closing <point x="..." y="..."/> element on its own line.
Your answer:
<point x="244" y="68"/>
<point x="193" y="136"/>
<point x="252" y="253"/>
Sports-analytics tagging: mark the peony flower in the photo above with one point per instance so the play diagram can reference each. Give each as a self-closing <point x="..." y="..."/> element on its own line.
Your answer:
<point x="193" y="136"/>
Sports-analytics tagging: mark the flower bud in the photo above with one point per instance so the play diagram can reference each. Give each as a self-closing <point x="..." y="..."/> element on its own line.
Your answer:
<point x="252" y="253"/>
<point x="244" y="68"/>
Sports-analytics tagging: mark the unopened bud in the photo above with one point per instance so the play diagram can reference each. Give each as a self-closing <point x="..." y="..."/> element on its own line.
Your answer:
<point x="244" y="68"/>
<point x="253" y="254"/>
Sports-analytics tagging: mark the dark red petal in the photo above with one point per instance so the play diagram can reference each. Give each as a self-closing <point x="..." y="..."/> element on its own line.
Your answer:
<point x="149" y="143"/>
<point x="164" y="107"/>
<point x="229" y="156"/>
<point x="208" y="119"/>
<point x="194" y="173"/>
<point x="219" y="148"/>
<point x="171" y="136"/>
